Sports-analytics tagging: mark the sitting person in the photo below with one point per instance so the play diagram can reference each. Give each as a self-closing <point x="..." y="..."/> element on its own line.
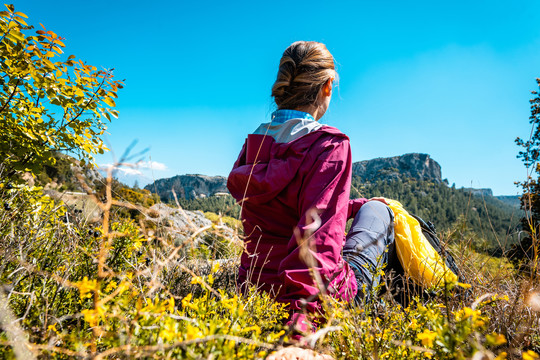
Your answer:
<point x="292" y="180"/>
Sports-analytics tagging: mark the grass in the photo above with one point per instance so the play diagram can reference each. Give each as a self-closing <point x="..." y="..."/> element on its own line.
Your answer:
<point x="125" y="288"/>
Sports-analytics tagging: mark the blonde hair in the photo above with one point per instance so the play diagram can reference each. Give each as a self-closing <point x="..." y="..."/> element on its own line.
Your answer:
<point x="303" y="70"/>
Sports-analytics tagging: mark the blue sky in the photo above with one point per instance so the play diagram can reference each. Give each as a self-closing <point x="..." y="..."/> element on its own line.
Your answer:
<point x="451" y="79"/>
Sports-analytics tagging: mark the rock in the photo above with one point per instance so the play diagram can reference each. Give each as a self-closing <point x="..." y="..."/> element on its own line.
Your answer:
<point x="189" y="186"/>
<point x="178" y="219"/>
<point x="414" y="165"/>
<point x="90" y="212"/>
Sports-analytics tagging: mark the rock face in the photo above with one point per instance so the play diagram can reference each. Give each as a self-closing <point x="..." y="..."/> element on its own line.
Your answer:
<point x="180" y="220"/>
<point x="416" y="166"/>
<point x="479" y="192"/>
<point x="189" y="186"/>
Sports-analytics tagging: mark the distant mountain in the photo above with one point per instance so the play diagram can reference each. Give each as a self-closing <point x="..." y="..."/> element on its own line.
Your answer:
<point x="479" y="192"/>
<point x="512" y="200"/>
<point x="416" y="166"/>
<point x="408" y="166"/>
<point x="189" y="187"/>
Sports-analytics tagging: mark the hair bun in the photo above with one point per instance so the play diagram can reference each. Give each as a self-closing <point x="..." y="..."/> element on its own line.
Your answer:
<point x="303" y="69"/>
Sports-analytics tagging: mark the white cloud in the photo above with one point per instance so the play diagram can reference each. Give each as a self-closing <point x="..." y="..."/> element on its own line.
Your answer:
<point x="130" y="171"/>
<point x="126" y="170"/>
<point x="132" y="168"/>
<point x="154" y="165"/>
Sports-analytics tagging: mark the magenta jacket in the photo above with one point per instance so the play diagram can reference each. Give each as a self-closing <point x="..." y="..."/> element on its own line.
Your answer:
<point x="284" y="170"/>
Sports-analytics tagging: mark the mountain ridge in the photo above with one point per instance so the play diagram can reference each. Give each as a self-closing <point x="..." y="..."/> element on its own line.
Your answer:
<point x="418" y="166"/>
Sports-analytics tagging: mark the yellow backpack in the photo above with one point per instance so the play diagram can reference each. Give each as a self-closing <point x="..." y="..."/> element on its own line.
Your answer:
<point x="419" y="258"/>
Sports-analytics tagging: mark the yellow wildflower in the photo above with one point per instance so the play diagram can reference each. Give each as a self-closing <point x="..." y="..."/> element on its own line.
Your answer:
<point x="186" y="300"/>
<point x="171" y="305"/>
<point x="86" y="287"/>
<point x="479" y="323"/>
<point x="466" y="313"/>
<point x="52" y="328"/>
<point x="255" y="328"/>
<point x="111" y="286"/>
<point x="427" y="337"/>
<point x="215" y="267"/>
<point x="124" y="285"/>
<point x="530" y="355"/>
<point x="193" y="332"/>
<point x="91" y="317"/>
<point x="168" y="332"/>
<point x="501" y="356"/>
<point x="495" y="339"/>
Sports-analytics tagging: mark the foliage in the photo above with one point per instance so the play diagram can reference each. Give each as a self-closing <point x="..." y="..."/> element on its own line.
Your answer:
<point x="493" y="223"/>
<point x="417" y="332"/>
<point x="145" y="300"/>
<point x="224" y="205"/>
<point x="107" y="296"/>
<point x="47" y="103"/>
<point x="530" y="201"/>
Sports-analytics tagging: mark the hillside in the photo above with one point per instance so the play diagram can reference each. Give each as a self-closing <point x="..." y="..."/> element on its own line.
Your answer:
<point x="495" y="222"/>
<point x="413" y="179"/>
<point x="512" y="200"/>
<point x="188" y="187"/>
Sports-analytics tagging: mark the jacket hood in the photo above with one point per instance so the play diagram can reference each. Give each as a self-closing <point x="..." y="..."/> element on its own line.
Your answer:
<point x="272" y="156"/>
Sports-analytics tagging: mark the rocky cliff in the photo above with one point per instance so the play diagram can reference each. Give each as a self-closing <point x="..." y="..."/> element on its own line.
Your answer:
<point x="479" y="192"/>
<point x="416" y="166"/>
<point x="188" y="186"/>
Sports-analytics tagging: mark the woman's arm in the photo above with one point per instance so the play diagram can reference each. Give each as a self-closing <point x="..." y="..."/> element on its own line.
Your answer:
<point x="325" y="192"/>
<point x="354" y="206"/>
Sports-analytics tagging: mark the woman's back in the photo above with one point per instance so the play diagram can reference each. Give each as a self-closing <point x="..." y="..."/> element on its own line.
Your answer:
<point x="284" y="170"/>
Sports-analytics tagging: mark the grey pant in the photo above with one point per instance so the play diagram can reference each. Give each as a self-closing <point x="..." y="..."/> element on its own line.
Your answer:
<point x="369" y="246"/>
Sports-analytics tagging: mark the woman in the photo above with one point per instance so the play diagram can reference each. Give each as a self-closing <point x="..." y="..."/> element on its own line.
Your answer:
<point x="292" y="179"/>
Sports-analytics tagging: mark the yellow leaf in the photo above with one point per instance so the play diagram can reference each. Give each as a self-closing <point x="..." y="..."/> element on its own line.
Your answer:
<point x="48" y="63"/>
<point x="107" y="100"/>
<point x="21" y="21"/>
